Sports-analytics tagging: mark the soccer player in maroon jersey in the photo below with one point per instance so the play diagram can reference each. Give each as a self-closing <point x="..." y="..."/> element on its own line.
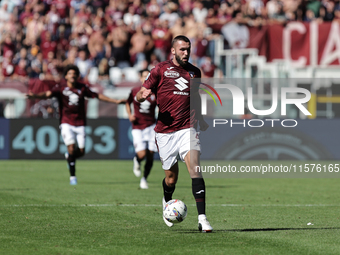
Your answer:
<point x="71" y="96"/>
<point x="175" y="132"/>
<point x="143" y="123"/>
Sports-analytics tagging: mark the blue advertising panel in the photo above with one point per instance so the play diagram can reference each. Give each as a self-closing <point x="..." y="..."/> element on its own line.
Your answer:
<point x="41" y="139"/>
<point x="4" y="138"/>
<point x="111" y="139"/>
<point x="126" y="149"/>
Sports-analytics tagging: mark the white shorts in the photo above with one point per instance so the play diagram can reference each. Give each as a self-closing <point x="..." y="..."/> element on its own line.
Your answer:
<point x="172" y="146"/>
<point x="144" y="139"/>
<point x="71" y="134"/>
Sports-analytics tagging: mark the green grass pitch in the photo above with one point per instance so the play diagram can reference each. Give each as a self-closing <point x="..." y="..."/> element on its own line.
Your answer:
<point x="107" y="213"/>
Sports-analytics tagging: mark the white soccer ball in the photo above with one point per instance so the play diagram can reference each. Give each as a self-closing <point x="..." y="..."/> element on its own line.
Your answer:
<point x="175" y="211"/>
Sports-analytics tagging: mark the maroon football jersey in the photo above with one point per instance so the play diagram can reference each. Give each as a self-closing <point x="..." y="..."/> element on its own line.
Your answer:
<point x="72" y="102"/>
<point x="144" y="112"/>
<point x="171" y="84"/>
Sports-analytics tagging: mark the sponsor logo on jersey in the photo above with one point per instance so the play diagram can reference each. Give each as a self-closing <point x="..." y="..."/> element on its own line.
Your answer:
<point x="181" y="93"/>
<point x="171" y="74"/>
<point x="145" y="107"/>
<point x="67" y="92"/>
<point x="181" y="85"/>
<point x="73" y="98"/>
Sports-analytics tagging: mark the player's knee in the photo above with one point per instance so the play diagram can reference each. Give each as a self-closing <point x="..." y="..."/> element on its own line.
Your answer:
<point x="195" y="174"/>
<point x="171" y="181"/>
<point x="81" y="152"/>
<point x="140" y="156"/>
<point x="71" y="150"/>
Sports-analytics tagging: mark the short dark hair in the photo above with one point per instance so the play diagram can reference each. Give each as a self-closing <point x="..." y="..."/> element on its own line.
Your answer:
<point x="71" y="67"/>
<point x="143" y="70"/>
<point x="180" y="38"/>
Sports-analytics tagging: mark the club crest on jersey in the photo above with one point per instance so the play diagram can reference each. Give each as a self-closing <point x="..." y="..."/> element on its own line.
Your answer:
<point x="171" y="74"/>
<point x="192" y="74"/>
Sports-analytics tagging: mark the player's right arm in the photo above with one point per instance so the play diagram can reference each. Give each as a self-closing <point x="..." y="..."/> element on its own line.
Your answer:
<point x="132" y="117"/>
<point x="41" y="95"/>
<point x="143" y="94"/>
<point x="151" y="82"/>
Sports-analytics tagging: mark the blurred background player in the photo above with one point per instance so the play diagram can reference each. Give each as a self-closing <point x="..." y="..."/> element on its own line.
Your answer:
<point x="71" y="96"/>
<point x="176" y="136"/>
<point x="143" y="134"/>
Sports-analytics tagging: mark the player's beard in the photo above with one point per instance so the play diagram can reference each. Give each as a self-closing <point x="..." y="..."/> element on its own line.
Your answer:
<point x="180" y="61"/>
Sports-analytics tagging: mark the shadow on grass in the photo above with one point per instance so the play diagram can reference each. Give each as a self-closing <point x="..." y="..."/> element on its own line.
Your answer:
<point x="14" y="189"/>
<point x="133" y="182"/>
<point x="254" y="230"/>
<point x="208" y="186"/>
<point x="107" y="183"/>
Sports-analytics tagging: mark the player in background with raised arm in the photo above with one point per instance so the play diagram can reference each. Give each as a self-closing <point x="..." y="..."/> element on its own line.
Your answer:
<point x="176" y="135"/>
<point x="143" y="123"/>
<point x="71" y="96"/>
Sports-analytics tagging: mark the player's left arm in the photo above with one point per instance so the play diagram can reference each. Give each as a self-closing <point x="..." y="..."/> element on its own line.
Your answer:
<point x="198" y="113"/>
<point x="41" y="95"/>
<point x="91" y="94"/>
<point x="143" y="94"/>
<point x="150" y="83"/>
<point x="101" y="97"/>
<point x="198" y="102"/>
<point x="128" y="103"/>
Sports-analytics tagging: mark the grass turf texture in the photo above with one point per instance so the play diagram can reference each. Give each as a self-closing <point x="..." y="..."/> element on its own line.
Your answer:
<point x="107" y="213"/>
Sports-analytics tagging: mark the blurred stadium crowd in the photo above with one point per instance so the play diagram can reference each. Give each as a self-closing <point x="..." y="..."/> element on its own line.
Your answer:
<point x="39" y="37"/>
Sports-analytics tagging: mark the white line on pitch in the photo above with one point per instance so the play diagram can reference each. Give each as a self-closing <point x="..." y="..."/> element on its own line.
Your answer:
<point x="156" y="205"/>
